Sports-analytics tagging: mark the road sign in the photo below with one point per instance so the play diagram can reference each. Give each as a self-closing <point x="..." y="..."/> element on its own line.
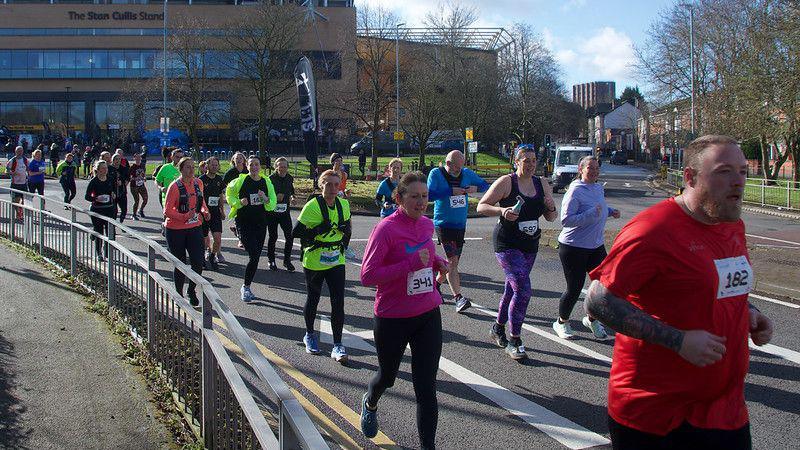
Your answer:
<point x="468" y="135"/>
<point x="399" y="136"/>
<point x="164" y="122"/>
<point x="472" y="147"/>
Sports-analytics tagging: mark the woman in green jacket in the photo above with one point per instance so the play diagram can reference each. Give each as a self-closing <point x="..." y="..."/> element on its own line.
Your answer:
<point x="324" y="229"/>
<point x="250" y="196"/>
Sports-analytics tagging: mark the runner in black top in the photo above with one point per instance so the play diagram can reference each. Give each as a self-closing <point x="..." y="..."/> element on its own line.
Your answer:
<point x="120" y="164"/>
<point x="238" y="167"/>
<point x="284" y="191"/>
<point x="214" y="193"/>
<point x="100" y="192"/>
<point x="523" y="198"/>
<point x="66" y="177"/>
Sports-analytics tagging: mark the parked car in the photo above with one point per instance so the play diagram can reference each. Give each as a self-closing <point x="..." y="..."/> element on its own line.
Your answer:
<point x="619" y="157"/>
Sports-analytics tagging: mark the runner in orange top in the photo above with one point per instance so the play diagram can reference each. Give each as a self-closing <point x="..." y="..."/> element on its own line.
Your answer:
<point x="675" y="288"/>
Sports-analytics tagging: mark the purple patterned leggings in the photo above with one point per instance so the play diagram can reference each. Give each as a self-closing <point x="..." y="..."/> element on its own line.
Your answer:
<point x="517" y="266"/>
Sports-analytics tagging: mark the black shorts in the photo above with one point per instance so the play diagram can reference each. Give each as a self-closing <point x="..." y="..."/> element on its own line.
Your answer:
<point x="20" y="187"/>
<point x="684" y="437"/>
<point x="214" y="224"/>
<point x="451" y="240"/>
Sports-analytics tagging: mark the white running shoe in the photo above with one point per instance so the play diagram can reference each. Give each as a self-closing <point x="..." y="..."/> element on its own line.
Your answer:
<point x="339" y="354"/>
<point x="247" y="294"/>
<point x="597" y="328"/>
<point x="563" y="330"/>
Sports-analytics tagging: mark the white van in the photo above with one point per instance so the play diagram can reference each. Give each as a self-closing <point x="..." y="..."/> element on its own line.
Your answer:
<point x="565" y="165"/>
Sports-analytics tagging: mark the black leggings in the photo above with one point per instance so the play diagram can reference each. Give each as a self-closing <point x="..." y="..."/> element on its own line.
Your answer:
<point x="181" y="242"/>
<point x="424" y="333"/>
<point x="684" y="437"/>
<point x="285" y="221"/>
<point x="100" y="226"/>
<point x="252" y="236"/>
<point x="334" y="277"/>
<point x="36" y="188"/>
<point x="122" y="203"/>
<point x="577" y="262"/>
<point x="68" y="185"/>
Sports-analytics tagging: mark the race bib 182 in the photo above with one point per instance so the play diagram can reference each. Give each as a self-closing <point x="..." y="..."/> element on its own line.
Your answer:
<point x="735" y="277"/>
<point x="458" y="201"/>
<point x="420" y="282"/>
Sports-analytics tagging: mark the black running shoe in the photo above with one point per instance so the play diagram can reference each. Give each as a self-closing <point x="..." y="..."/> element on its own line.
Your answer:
<point x="289" y="266"/>
<point x="273" y="266"/>
<point x="498" y="335"/>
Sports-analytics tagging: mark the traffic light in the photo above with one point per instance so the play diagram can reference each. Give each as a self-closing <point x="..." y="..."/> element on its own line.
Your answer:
<point x="547" y="140"/>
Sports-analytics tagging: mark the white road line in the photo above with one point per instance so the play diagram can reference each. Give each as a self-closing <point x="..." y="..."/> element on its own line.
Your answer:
<point x="781" y="287"/>
<point x="568" y="433"/>
<point x="785" y="353"/>
<point x="772" y="300"/>
<point x="549" y="335"/>
<point x="772" y="239"/>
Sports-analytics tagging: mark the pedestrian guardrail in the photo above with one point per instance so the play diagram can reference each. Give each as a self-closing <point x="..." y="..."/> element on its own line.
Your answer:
<point x="180" y="339"/>
<point x="783" y="194"/>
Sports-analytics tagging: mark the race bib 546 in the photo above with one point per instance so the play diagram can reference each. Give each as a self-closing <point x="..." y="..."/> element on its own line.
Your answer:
<point x="458" y="201"/>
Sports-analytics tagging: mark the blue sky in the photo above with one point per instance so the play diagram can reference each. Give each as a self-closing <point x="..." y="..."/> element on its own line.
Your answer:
<point x="592" y="40"/>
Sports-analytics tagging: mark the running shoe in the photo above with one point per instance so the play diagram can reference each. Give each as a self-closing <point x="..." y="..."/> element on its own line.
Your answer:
<point x="499" y="335"/>
<point x="310" y="339"/>
<point x="141" y="213"/>
<point x="597" y="328"/>
<point x="462" y="304"/>
<point x="135" y="217"/>
<point x="193" y="300"/>
<point x="273" y="266"/>
<point x="339" y="354"/>
<point x="240" y="244"/>
<point x="247" y="294"/>
<point x="515" y="349"/>
<point x="563" y="330"/>
<point x="212" y="261"/>
<point x="369" y="419"/>
<point x="289" y="266"/>
<point x="220" y="258"/>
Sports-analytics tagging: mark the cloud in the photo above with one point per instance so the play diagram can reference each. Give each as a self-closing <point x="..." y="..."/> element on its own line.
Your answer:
<point x="608" y="53"/>
<point x="573" y="4"/>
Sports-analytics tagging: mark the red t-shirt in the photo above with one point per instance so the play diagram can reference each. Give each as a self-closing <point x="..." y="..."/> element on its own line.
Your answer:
<point x="670" y="266"/>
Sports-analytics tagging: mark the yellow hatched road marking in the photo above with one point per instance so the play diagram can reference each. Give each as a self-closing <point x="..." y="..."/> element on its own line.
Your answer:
<point x="352" y="417"/>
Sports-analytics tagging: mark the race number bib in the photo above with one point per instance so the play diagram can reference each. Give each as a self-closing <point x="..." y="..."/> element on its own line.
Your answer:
<point x="195" y="219"/>
<point x="213" y="201"/>
<point x="735" y="277"/>
<point x="329" y="257"/>
<point x="105" y="198"/>
<point x="458" y="201"/>
<point x="139" y="182"/>
<point x="529" y="227"/>
<point x="420" y="282"/>
<point x="280" y="208"/>
<point x="255" y="199"/>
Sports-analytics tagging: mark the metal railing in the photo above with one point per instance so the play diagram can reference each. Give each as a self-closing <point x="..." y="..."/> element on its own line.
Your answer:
<point x="180" y="339"/>
<point x="782" y="195"/>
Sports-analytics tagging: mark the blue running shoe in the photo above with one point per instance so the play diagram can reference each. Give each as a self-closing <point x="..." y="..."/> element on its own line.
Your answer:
<point x="369" y="419"/>
<point x="310" y="339"/>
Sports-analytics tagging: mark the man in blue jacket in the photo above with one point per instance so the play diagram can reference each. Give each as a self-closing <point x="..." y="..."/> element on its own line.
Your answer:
<point x="449" y="188"/>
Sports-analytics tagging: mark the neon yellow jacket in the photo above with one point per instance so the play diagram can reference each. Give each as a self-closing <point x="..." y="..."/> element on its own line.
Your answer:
<point x="232" y="194"/>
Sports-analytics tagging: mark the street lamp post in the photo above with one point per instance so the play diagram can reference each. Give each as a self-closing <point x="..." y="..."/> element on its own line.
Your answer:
<point x="164" y="100"/>
<point x="397" y="82"/>
<point x="66" y="89"/>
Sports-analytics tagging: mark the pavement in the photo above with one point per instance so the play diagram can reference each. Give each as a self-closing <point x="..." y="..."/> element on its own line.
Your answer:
<point x="63" y="379"/>
<point x="556" y="399"/>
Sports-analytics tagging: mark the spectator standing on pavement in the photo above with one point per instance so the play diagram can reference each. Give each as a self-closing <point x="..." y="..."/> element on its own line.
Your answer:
<point x="675" y="288"/>
<point x="138" y="179"/>
<point x="324" y="230"/>
<point x="384" y="197"/>
<point x="87" y="161"/>
<point x="401" y="261"/>
<point x="362" y="161"/>
<point x="100" y="194"/>
<point x="581" y="245"/>
<point x="184" y="212"/>
<point x="449" y="188"/>
<point x="66" y="171"/>
<point x="17" y="166"/>
<point x="284" y="192"/>
<point x="523" y="198"/>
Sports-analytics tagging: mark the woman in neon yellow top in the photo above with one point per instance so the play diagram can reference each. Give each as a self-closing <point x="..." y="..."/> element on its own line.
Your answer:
<point x="324" y="229"/>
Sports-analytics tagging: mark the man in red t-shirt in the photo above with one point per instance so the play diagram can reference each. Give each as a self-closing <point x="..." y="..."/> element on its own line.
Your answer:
<point x="674" y="286"/>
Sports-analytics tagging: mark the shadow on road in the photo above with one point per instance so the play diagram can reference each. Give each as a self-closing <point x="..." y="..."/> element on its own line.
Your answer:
<point x="12" y="433"/>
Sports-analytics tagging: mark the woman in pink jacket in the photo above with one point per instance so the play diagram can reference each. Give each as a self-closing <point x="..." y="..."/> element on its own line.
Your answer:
<point x="400" y="259"/>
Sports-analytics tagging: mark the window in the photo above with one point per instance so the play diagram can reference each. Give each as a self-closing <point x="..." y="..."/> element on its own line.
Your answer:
<point x="5" y="63"/>
<point x="118" y="113"/>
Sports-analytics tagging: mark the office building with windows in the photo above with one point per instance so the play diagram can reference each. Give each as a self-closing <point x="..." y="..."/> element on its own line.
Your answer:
<point x="71" y="67"/>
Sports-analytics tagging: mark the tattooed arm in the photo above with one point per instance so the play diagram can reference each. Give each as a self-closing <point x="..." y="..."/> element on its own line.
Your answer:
<point x="696" y="346"/>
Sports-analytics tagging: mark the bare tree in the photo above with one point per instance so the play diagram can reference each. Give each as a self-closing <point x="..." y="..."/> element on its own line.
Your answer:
<point x="263" y="47"/>
<point x="422" y="94"/>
